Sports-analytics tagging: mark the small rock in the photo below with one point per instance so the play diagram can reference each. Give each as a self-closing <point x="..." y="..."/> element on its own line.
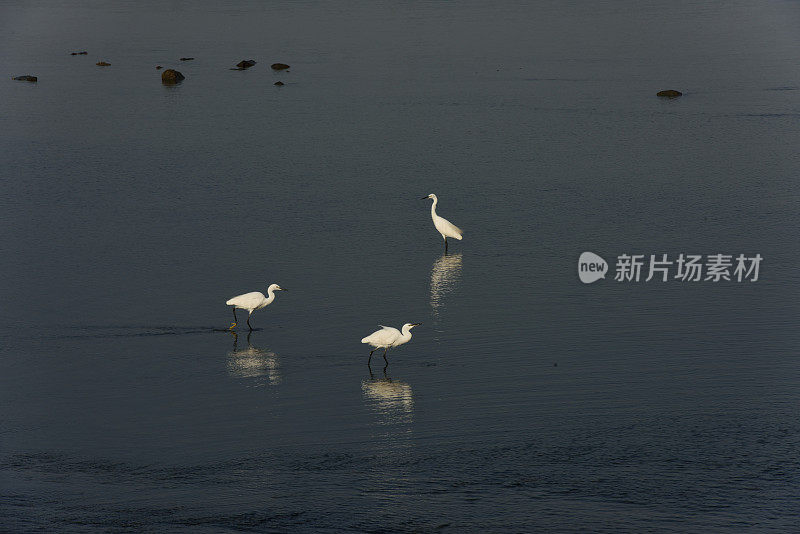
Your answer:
<point x="245" y="64"/>
<point x="103" y="64"/>
<point x="279" y="66"/>
<point x="159" y="67"/>
<point x="669" y="93"/>
<point x="171" y="76"/>
<point x="26" y="78"/>
<point x="278" y="83"/>
<point x="187" y="58"/>
<point x="79" y="53"/>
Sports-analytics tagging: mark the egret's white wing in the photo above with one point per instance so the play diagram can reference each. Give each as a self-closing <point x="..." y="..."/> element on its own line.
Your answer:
<point x="247" y="301"/>
<point x="447" y="228"/>
<point x="453" y="230"/>
<point x="383" y="337"/>
<point x="458" y="230"/>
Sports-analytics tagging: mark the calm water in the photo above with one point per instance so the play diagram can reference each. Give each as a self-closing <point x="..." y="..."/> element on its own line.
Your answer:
<point x="527" y="401"/>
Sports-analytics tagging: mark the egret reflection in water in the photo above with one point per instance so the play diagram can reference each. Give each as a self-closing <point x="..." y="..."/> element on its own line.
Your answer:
<point x="445" y="273"/>
<point x="252" y="362"/>
<point x="391" y="405"/>
<point x="391" y="400"/>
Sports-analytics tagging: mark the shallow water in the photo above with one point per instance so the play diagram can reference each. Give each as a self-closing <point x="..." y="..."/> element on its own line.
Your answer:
<point x="526" y="401"/>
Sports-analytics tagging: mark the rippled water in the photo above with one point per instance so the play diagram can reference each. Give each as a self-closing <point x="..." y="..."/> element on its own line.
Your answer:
<point x="526" y="401"/>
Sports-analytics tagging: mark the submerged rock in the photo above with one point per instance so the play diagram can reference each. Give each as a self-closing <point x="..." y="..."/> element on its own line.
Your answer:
<point x="669" y="93"/>
<point x="187" y="58"/>
<point x="171" y="76"/>
<point x="244" y="64"/>
<point x="79" y="53"/>
<point x="103" y="64"/>
<point x="158" y="67"/>
<point x="279" y="66"/>
<point x="26" y="78"/>
<point x="278" y="83"/>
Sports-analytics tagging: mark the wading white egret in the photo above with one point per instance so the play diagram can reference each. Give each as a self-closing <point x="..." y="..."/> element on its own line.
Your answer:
<point x="252" y="302"/>
<point x="443" y="226"/>
<point x="388" y="337"/>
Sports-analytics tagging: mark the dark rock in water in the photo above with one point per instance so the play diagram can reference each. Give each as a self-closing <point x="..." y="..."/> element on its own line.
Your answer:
<point x="26" y="78"/>
<point x="279" y="66"/>
<point x="187" y="58"/>
<point x="245" y="64"/>
<point x="103" y="64"/>
<point x="669" y="93"/>
<point x="278" y="84"/>
<point x="79" y="53"/>
<point x="171" y="76"/>
<point x="159" y="67"/>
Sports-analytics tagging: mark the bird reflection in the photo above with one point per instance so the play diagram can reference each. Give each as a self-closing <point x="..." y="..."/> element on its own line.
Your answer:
<point x="391" y="400"/>
<point x="391" y="404"/>
<point x="445" y="274"/>
<point x="252" y="362"/>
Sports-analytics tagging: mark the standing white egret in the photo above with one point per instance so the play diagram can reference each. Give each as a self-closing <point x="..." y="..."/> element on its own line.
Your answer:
<point x="388" y="337"/>
<point x="443" y="226"/>
<point x="252" y="302"/>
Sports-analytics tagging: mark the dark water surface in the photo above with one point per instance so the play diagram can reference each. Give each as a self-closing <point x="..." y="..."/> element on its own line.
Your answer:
<point x="527" y="401"/>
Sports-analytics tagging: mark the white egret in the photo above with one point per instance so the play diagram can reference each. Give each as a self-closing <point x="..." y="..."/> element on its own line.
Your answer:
<point x="388" y="337"/>
<point x="252" y="302"/>
<point x="443" y="226"/>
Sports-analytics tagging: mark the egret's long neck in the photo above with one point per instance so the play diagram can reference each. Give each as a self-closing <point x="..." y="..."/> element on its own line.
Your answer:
<point x="270" y="296"/>
<point x="433" y="207"/>
<point x="406" y="334"/>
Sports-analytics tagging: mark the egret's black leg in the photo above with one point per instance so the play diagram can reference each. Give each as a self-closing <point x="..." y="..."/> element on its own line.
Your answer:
<point x="248" y="337"/>
<point x="235" y="320"/>
<point x="235" y="340"/>
<point x="248" y="323"/>
<point x="370" y="356"/>
<point x="445" y="245"/>
<point x="384" y="356"/>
